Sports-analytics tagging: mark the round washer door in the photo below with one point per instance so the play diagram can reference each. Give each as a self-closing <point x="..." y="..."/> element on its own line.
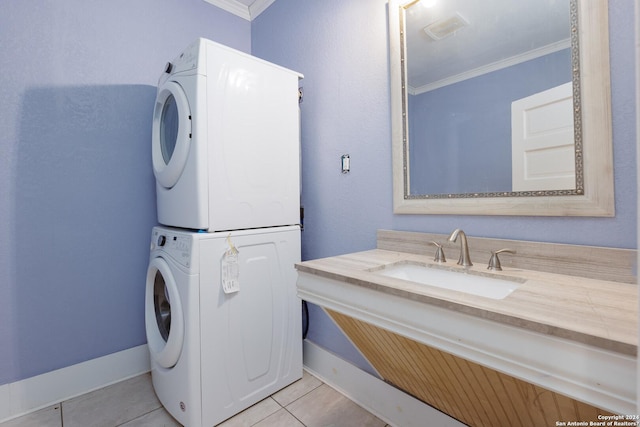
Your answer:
<point x="171" y="134"/>
<point x="164" y="321"/>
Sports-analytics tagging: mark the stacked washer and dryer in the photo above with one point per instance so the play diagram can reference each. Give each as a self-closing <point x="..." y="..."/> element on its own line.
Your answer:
<point x="223" y="320"/>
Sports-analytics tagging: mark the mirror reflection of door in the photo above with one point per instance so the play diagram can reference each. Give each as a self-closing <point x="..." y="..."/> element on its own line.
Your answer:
<point x="543" y="154"/>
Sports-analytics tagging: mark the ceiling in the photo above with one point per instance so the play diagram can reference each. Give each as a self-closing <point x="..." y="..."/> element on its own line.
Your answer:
<point x="498" y="33"/>
<point x="247" y="9"/>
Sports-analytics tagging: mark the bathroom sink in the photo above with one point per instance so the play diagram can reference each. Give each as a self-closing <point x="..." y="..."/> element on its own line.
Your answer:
<point x="482" y="284"/>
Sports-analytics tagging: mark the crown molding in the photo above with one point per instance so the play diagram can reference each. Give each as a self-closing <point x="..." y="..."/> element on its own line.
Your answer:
<point x="495" y="66"/>
<point x="242" y="10"/>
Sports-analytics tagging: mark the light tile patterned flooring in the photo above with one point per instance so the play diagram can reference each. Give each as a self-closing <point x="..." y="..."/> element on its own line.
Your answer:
<point x="132" y="403"/>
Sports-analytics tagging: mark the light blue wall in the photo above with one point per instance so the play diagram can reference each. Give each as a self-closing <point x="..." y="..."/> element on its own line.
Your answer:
<point x="77" y="193"/>
<point x="341" y="47"/>
<point x="77" y="201"/>
<point x="461" y="134"/>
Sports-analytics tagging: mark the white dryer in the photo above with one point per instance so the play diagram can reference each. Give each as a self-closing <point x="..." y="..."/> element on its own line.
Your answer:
<point x="226" y="141"/>
<point x="216" y="352"/>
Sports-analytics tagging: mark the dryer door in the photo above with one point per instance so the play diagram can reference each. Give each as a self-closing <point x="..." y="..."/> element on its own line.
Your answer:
<point x="164" y="321"/>
<point x="171" y="134"/>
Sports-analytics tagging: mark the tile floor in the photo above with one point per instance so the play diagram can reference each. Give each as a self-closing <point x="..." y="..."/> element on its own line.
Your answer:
<point x="132" y="403"/>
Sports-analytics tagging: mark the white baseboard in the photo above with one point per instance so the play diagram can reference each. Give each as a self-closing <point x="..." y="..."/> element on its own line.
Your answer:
<point x="38" y="392"/>
<point x="381" y="399"/>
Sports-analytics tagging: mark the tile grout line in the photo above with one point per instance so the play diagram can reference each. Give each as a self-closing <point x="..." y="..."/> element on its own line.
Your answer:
<point x="299" y="420"/>
<point x="285" y="407"/>
<point x="300" y="397"/>
<point x="145" y="414"/>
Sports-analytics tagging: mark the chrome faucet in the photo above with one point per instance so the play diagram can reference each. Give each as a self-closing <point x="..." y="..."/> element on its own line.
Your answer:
<point x="464" y="259"/>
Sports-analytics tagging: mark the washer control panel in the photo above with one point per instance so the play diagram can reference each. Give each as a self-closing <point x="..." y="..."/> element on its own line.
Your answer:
<point x="177" y="246"/>
<point x="187" y="60"/>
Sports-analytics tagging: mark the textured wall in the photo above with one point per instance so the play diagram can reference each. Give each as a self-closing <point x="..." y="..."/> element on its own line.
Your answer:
<point x="76" y="199"/>
<point x="341" y="47"/>
<point x="77" y="193"/>
<point x="461" y="134"/>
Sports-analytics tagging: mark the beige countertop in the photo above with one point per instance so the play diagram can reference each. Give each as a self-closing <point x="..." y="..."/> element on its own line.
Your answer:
<point x="595" y="312"/>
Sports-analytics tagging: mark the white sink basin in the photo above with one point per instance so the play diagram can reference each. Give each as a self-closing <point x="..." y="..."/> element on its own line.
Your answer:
<point x="485" y="285"/>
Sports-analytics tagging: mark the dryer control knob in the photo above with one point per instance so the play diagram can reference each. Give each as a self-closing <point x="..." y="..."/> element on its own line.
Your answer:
<point x="162" y="240"/>
<point x="168" y="67"/>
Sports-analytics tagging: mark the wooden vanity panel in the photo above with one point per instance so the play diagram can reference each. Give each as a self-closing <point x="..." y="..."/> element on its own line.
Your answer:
<point x="469" y="392"/>
<point x="613" y="264"/>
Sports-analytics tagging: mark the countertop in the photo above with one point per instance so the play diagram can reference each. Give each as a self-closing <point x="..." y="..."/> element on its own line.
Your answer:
<point x="600" y="313"/>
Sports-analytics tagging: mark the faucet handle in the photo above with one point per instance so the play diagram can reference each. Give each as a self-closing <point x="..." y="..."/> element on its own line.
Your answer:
<point x="494" y="262"/>
<point x="439" y="252"/>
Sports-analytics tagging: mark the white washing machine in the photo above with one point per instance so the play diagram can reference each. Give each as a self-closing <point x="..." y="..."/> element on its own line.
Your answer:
<point x="218" y="349"/>
<point x="226" y="141"/>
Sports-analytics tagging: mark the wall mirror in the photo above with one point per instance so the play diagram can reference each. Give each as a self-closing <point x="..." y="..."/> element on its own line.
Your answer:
<point x="501" y="107"/>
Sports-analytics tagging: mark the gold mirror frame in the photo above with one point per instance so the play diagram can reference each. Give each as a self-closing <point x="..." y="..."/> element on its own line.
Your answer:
<point x="595" y="198"/>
